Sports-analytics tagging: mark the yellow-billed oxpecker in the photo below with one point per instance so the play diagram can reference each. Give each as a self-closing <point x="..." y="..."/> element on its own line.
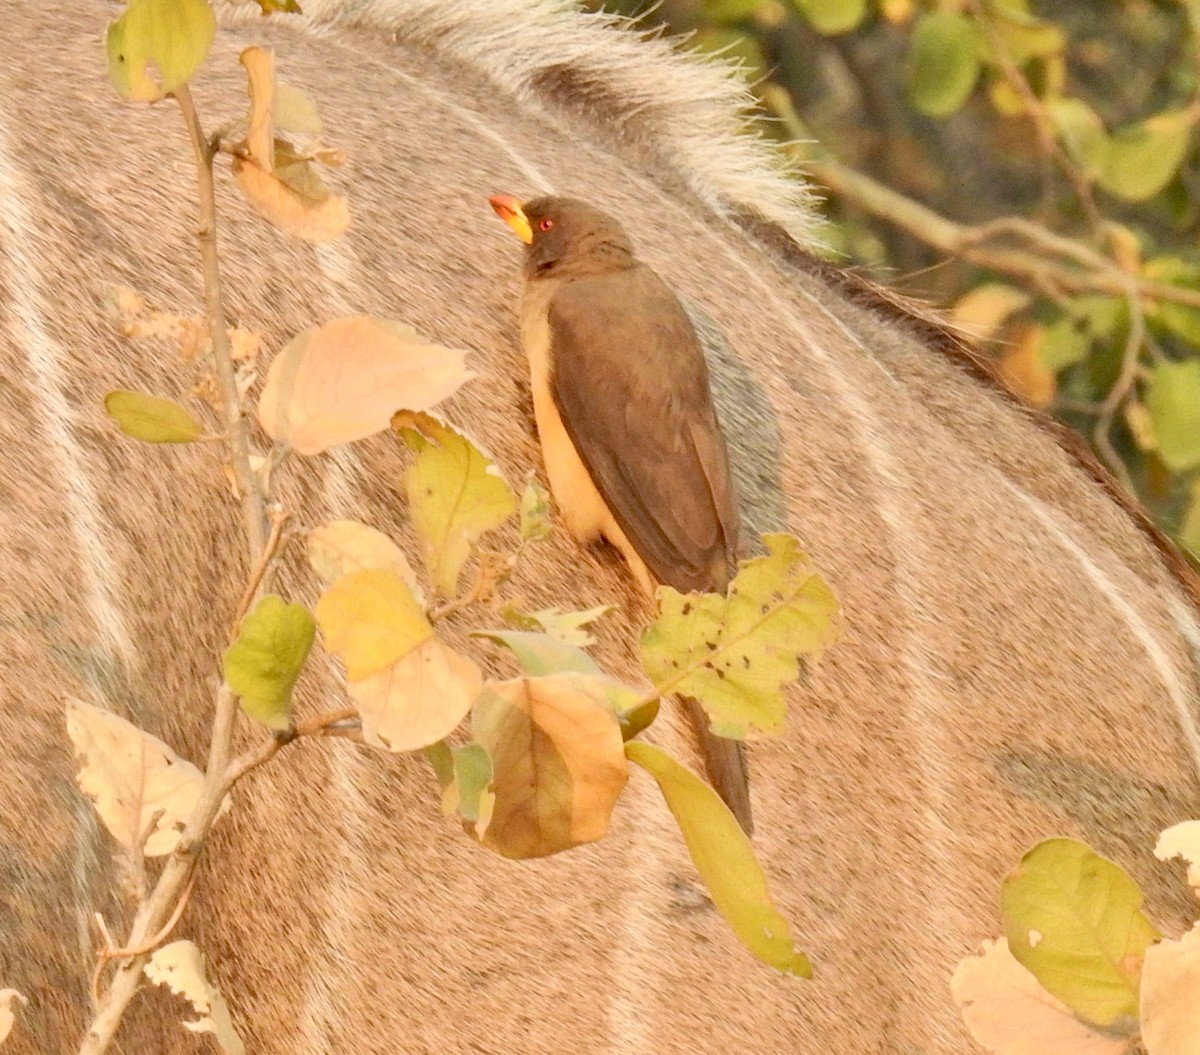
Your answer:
<point x="625" y="417"/>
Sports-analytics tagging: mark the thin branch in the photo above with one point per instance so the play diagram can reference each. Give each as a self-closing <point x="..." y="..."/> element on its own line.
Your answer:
<point x="253" y="501"/>
<point x="278" y="519"/>
<point x="963" y="242"/>
<point x="491" y="570"/>
<point x="329" y="724"/>
<point x="1112" y="403"/>
<point x="153" y="943"/>
<point x="166" y="897"/>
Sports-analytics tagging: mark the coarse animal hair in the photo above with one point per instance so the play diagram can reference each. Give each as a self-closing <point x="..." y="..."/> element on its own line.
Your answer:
<point x="1020" y="658"/>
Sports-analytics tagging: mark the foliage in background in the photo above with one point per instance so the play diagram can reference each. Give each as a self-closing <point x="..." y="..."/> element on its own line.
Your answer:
<point x="1028" y="165"/>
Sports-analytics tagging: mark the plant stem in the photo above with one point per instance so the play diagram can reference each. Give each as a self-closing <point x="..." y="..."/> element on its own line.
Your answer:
<point x="253" y="503"/>
<point x="164" y="900"/>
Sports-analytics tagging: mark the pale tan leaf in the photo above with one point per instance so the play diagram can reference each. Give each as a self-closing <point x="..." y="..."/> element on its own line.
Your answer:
<point x="260" y="76"/>
<point x="344" y="546"/>
<point x="343" y="381"/>
<point x="180" y="967"/>
<point x="558" y="762"/>
<point x="133" y="778"/>
<point x="1170" y="984"/>
<point x="305" y="215"/>
<point x="1009" y="1013"/>
<point x="244" y="344"/>
<point x="1182" y="840"/>
<point x="419" y="699"/>
<point x="9" y="999"/>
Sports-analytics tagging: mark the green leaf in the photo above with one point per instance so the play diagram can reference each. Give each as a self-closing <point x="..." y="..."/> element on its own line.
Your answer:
<point x="1026" y="37"/>
<point x="1082" y="134"/>
<point x="829" y="17"/>
<point x="635" y="713"/>
<point x="943" y="62"/>
<point x="1064" y="344"/>
<point x="151" y="418"/>
<point x="262" y="665"/>
<point x="1144" y="157"/>
<point x="455" y="495"/>
<point x="535" y="512"/>
<point x="725" y="860"/>
<point x="541" y="654"/>
<point x="1173" y="399"/>
<point x="172" y="35"/>
<point x="733" y="45"/>
<point x="441" y="757"/>
<point x="735" y="653"/>
<point x="472" y="777"/>
<point x="567" y="627"/>
<point x="1181" y="320"/>
<point x="729" y="10"/>
<point x="1189" y="530"/>
<point x="1073" y="919"/>
<point x="1087" y="320"/>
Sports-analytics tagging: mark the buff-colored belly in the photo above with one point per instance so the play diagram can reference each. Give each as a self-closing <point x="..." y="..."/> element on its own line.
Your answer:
<point x="584" y="510"/>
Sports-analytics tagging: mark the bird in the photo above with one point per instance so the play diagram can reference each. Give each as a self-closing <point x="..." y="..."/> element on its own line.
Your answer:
<point x="629" y="434"/>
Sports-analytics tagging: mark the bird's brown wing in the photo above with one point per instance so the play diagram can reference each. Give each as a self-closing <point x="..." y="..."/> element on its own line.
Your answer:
<point x="631" y="386"/>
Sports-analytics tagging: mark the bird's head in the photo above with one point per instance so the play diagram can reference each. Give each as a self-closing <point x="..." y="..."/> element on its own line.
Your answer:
<point x="565" y="235"/>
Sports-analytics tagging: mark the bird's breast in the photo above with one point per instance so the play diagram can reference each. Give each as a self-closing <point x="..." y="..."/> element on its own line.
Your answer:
<point x="583" y="508"/>
<point x="580" y="503"/>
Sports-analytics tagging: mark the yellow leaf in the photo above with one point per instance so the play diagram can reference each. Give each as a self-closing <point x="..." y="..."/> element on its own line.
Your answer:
<point x="1075" y="920"/>
<point x="342" y="546"/>
<point x="734" y="653"/>
<point x="1007" y="1012"/>
<point x="297" y="207"/>
<point x="419" y="699"/>
<point x="455" y="495"/>
<point x="153" y="419"/>
<point x="1024" y="370"/>
<point x="133" y="778"/>
<point x="725" y="860"/>
<point x="371" y="619"/>
<point x="343" y="381"/>
<point x="558" y="764"/>
<point x="295" y="112"/>
<point x="157" y="45"/>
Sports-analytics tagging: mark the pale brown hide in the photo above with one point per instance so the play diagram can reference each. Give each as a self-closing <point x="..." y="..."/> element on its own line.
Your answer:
<point x="1016" y="661"/>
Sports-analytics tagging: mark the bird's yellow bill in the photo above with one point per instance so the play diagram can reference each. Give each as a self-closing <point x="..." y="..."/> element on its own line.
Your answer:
<point x="509" y="210"/>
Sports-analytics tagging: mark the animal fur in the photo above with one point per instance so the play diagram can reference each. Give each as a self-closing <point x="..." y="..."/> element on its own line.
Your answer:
<point x="1020" y="660"/>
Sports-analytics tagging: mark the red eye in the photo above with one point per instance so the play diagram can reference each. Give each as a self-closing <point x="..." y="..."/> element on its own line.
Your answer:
<point x="545" y="225"/>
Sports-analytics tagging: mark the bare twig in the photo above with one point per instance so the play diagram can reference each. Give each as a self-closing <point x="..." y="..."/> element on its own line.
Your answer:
<point x="492" y="569"/>
<point x="278" y="519"/>
<point x="253" y="502"/>
<point x="153" y="943"/>
<point x="1112" y="403"/>
<point x="329" y="724"/>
